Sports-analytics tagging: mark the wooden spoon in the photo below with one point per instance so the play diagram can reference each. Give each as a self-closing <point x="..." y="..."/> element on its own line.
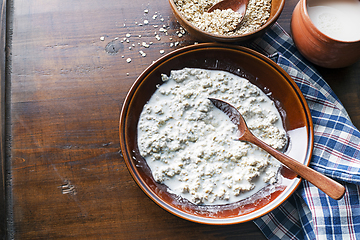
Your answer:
<point x="332" y="188"/>
<point x="239" y="6"/>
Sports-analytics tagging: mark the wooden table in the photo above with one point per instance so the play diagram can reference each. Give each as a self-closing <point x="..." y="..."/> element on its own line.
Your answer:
<point x="62" y="88"/>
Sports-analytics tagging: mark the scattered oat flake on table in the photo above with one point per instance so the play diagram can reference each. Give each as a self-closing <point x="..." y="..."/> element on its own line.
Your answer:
<point x="128" y="35"/>
<point x="162" y="51"/>
<point x="146" y="22"/>
<point x="128" y="60"/>
<point x="142" y="53"/>
<point x="146" y="11"/>
<point x="144" y="44"/>
<point x="102" y="38"/>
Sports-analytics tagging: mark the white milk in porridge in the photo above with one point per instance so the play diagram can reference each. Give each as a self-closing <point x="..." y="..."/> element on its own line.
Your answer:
<point x="339" y="19"/>
<point x="192" y="147"/>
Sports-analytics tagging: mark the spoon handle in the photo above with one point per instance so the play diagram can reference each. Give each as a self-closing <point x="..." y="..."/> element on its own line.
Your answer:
<point x="329" y="186"/>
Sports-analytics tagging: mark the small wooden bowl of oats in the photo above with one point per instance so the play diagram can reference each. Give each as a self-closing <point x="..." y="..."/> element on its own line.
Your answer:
<point x="222" y="26"/>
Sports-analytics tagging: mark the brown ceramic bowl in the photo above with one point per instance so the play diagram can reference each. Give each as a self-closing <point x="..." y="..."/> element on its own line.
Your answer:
<point x="276" y="9"/>
<point x="241" y="61"/>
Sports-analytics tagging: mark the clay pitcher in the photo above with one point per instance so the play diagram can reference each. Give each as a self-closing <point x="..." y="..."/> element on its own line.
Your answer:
<point x="317" y="47"/>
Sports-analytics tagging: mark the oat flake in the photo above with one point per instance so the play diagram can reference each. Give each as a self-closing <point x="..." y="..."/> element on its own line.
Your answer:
<point x="224" y="22"/>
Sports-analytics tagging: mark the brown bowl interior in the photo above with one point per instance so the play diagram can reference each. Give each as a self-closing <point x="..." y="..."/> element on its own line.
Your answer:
<point x="276" y="9"/>
<point x="244" y="62"/>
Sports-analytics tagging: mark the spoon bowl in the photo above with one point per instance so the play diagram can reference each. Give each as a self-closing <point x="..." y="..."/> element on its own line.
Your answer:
<point x="332" y="188"/>
<point x="238" y="6"/>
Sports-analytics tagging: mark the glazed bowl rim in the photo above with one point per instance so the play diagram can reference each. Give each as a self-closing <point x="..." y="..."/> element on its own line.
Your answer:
<point x="152" y="195"/>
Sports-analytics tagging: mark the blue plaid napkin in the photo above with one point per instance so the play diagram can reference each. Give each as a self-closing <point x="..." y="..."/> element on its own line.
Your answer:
<point x="309" y="213"/>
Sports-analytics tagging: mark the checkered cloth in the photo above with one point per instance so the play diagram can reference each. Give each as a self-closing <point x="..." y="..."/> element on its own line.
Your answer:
<point x="309" y="213"/>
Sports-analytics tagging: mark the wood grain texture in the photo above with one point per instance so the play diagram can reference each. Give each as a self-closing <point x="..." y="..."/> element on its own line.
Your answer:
<point x="3" y="202"/>
<point x="68" y="179"/>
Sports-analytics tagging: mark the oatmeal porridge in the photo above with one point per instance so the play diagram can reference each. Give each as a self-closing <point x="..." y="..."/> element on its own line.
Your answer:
<point x="193" y="148"/>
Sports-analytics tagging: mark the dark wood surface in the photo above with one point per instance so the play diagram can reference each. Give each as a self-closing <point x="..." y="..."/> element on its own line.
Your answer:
<point x="62" y="89"/>
<point x="3" y="165"/>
